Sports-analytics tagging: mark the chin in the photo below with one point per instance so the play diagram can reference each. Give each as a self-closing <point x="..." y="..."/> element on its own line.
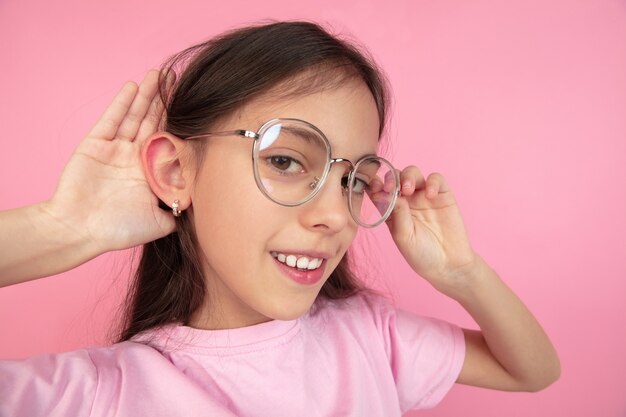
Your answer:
<point x="290" y="312"/>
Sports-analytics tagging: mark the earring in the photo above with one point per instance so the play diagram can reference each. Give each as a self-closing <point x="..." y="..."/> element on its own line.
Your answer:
<point x="175" y="211"/>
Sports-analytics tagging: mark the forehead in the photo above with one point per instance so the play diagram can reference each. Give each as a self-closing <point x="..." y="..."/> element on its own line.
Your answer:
<point x="347" y="116"/>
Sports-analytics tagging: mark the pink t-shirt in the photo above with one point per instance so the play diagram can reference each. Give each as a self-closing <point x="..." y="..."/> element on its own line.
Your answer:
<point x="357" y="357"/>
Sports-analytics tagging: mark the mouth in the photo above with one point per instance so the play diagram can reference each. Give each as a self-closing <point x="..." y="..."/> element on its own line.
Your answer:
<point x="299" y="262"/>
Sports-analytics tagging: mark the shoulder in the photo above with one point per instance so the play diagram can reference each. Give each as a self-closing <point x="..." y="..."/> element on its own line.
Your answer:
<point x="50" y="384"/>
<point x="424" y="354"/>
<point x="123" y="352"/>
<point x="382" y="310"/>
<point x="79" y="366"/>
<point x="86" y="381"/>
<point x="364" y="308"/>
<point x="375" y="319"/>
<point x="360" y="318"/>
<point x="49" y="366"/>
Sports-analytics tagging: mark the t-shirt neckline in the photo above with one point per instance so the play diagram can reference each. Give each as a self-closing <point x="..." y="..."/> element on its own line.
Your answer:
<point x="178" y="337"/>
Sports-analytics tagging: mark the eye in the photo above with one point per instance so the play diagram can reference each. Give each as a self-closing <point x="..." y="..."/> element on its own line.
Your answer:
<point x="360" y="186"/>
<point x="285" y="164"/>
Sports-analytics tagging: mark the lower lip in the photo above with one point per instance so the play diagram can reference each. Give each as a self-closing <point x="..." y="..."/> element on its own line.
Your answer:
<point x="302" y="277"/>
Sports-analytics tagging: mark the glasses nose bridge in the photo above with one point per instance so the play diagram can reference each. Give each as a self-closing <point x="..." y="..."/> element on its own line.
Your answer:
<point x="340" y="160"/>
<point x="331" y="162"/>
<point x="320" y="187"/>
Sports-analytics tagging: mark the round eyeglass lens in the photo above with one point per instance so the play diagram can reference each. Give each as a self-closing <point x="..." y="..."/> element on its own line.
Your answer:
<point x="291" y="158"/>
<point x="373" y="191"/>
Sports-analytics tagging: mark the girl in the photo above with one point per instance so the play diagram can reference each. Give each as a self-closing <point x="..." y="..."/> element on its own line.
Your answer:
<point x="247" y="201"/>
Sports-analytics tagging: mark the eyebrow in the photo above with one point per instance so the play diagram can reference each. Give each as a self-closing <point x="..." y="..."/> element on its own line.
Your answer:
<point x="312" y="137"/>
<point x="304" y="133"/>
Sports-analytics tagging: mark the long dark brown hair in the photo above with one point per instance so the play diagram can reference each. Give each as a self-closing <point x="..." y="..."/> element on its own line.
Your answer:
<point x="216" y="78"/>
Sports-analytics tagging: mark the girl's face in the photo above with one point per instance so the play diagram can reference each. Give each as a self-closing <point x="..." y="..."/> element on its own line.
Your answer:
<point x="239" y="229"/>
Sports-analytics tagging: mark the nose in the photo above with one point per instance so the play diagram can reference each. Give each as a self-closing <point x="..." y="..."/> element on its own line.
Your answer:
<point x="328" y="210"/>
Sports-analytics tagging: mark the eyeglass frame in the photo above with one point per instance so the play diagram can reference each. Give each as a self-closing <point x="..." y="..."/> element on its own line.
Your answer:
<point x="319" y="182"/>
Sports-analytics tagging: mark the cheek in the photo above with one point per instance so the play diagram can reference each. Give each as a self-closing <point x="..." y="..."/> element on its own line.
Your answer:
<point x="224" y="184"/>
<point x="230" y="212"/>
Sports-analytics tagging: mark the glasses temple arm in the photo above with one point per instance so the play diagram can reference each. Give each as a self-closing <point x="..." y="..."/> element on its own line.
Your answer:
<point x="239" y="132"/>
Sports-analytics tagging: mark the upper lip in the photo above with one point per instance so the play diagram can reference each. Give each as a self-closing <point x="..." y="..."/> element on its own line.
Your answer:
<point x="308" y="253"/>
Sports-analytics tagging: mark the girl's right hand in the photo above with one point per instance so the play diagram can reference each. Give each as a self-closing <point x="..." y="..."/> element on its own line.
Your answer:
<point x="102" y="194"/>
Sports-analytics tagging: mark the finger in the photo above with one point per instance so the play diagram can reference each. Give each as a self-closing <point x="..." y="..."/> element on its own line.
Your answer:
<point x="106" y="127"/>
<point x="147" y="90"/>
<point x="411" y="179"/>
<point x="379" y="198"/>
<point x="400" y="222"/>
<point x="375" y="185"/>
<point x="166" y="222"/>
<point x="435" y="185"/>
<point x="152" y="121"/>
<point x="390" y="180"/>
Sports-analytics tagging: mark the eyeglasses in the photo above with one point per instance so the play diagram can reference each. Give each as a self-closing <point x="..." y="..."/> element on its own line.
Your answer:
<point x="292" y="159"/>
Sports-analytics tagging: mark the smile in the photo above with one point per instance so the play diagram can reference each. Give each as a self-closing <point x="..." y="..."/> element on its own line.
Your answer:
<point x="301" y="262"/>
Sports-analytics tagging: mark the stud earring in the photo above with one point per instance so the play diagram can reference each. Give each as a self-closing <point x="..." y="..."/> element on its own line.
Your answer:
<point x="175" y="210"/>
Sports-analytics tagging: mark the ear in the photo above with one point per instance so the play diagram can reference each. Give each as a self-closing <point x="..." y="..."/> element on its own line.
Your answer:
<point x="167" y="172"/>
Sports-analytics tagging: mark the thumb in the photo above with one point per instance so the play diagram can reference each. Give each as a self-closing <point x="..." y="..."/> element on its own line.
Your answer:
<point x="166" y="223"/>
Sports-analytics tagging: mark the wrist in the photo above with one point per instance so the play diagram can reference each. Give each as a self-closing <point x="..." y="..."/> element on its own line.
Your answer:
<point x="37" y="243"/>
<point x="466" y="283"/>
<point x="61" y="227"/>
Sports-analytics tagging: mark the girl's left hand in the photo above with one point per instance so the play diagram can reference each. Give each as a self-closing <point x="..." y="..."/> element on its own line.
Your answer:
<point x="428" y="229"/>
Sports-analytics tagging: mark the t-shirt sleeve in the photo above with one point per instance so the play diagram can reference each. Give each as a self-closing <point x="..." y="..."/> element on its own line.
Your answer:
<point x="48" y="385"/>
<point x="425" y="354"/>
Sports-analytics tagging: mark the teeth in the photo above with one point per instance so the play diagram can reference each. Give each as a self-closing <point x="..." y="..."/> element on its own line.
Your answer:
<point x="314" y="264"/>
<point x="301" y="263"/>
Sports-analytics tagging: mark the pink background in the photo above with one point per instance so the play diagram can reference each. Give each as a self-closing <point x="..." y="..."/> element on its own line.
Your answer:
<point x="520" y="104"/>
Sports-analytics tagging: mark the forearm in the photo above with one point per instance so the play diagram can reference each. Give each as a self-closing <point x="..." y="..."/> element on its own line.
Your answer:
<point x="510" y="331"/>
<point x="35" y="243"/>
